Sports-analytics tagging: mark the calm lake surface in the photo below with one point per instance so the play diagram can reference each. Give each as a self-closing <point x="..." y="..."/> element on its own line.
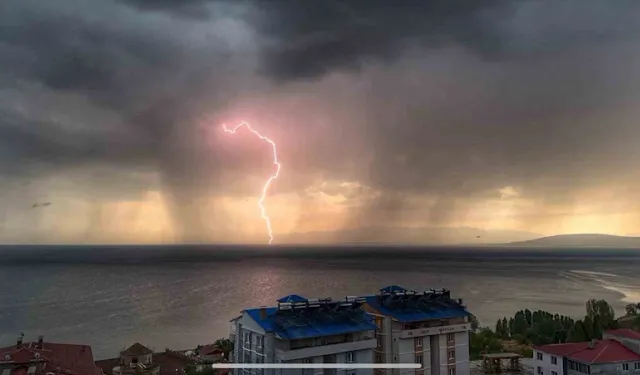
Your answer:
<point x="181" y="296"/>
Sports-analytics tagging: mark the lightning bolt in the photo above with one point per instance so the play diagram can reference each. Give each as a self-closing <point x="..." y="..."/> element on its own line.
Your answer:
<point x="273" y="177"/>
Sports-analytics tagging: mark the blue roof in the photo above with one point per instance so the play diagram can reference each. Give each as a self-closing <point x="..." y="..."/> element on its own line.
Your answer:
<point x="410" y="312"/>
<point x="315" y="322"/>
<point x="292" y="298"/>
<point x="393" y="288"/>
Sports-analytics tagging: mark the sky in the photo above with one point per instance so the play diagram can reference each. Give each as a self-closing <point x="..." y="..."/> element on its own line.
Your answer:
<point x="496" y="115"/>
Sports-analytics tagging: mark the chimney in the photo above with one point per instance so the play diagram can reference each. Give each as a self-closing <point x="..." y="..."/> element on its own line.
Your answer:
<point x="263" y="312"/>
<point x="19" y="343"/>
<point x="592" y="344"/>
<point x="41" y="342"/>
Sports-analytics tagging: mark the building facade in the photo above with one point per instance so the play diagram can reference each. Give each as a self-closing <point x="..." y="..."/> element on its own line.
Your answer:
<point x="429" y="328"/>
<point x="607" y="356"/>
<point x="302" y="331"/>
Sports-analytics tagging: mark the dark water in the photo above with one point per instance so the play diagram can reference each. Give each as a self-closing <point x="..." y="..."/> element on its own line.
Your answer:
<point x="177" y="297"/>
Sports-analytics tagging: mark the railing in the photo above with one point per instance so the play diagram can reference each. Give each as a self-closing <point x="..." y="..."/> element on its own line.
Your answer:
<point x="321" y="350"/>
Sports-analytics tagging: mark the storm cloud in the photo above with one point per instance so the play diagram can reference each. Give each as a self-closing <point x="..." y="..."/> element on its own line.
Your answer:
<point x="447" y="100"/>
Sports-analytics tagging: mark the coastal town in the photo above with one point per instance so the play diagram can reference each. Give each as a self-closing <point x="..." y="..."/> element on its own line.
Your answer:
<point x="393" y="326"/>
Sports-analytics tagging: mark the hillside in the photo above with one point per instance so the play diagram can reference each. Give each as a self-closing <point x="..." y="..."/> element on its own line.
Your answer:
<point x="581" y="240"/>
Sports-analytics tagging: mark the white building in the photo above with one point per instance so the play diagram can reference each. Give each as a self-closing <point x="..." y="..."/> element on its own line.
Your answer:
<point x="300" y="330"/>
<point x="428" y="327"/>
<point x="617" y="353"/>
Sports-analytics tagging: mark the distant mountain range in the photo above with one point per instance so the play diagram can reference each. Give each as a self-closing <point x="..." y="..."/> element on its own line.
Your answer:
<point x="457" y="236"/>
<point x="413" y="236"/>
<point x="580" y="240"/>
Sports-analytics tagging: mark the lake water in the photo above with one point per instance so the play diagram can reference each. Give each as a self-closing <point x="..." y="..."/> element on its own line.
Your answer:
<point x="178" y="297"/>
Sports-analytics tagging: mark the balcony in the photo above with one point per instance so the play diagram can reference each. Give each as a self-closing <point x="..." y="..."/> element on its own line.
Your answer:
<point x="322" y="350"/>
<point x="434" y="331"/>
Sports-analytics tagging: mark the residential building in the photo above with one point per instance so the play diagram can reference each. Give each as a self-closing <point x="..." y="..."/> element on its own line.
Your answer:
<point x="608" y="356"/>
<point x="136" y="360"/>
<point x="427" y="327"/>
<point x="47" y="358"/>
<point x="167" y="362"/>
<point x="300" y="330"/>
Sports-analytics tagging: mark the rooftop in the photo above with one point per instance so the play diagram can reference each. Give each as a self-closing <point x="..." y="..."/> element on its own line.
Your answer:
<point x="626" y="333"/>
<point x="209" y="350"/>
<point x="296" y="317"/>
<point x="602" y="351"/>
<point x="58" y="358"/>
<point x="407" y="306"/>
<point x="136" y="350"/>
<point x="168" y="362"/>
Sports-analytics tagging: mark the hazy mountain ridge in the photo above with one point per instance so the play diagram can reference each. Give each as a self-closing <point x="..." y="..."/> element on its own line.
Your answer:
<point x="580" y="240"/>
<point x="417" y="236"/>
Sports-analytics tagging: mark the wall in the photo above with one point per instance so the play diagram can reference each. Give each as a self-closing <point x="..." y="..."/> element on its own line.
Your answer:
<point x="547" y="367"/>
<point x="609" y="369"/>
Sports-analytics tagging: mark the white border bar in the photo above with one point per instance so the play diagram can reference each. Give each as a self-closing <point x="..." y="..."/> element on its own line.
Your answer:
<point x="318" y="365"/>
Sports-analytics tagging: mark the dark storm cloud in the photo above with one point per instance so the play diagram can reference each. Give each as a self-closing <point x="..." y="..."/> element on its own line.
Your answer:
<point x="530" y="94"/>
<point x="154" y="85"/>
<point x="461" y="97"/>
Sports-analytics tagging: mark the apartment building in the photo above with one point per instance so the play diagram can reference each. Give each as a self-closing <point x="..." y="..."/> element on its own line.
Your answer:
<point x="617" y="353"/>
<point x="429" y="328"/>
<point x="300" y="331"/>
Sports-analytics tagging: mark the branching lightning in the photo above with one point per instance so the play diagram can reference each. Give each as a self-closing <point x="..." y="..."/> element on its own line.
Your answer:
<point x="273" y="177"/>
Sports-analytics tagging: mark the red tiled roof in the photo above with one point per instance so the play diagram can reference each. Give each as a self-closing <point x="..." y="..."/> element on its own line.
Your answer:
<point x="209" y="350"/>
<point x="625" y="332"/>
<point x="77" y="359"/>
<point x="603" y="351"/>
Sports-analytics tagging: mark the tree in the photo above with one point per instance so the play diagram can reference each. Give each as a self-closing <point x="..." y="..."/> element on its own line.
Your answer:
<point x="483" y="341"/>
<point x="225" y="345"/>
<point x="528" y="317"/>
<point x="505" y="326"/>
<point x="603" y="310"/>
<point x="474" y="322"/>
<point x="632" y="309"/>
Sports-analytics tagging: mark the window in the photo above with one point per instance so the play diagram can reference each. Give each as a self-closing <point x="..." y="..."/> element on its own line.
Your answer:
<point x="306" y="360"/>
<point x="452" y="354"/>
<point x="351" y="373"/>
<point x="350" y="357"/>
<point x="379" y="340"/>
<point x="539" y="356"/>
<point x="247" y="338"/>
<point x="378" y="358"/>
<point x="637" y="366"/>
<point x="625" y="367"/>
<point x="554" y="360"/>
<point x="554" y="373"/>
<point x="419" y="359"/>
<point x="451" y="337"/>
<point x="418" y="341"/>
<point x="260" y="341"/>
<point x="452" y="371"/>
<point x="539" y="370"/>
